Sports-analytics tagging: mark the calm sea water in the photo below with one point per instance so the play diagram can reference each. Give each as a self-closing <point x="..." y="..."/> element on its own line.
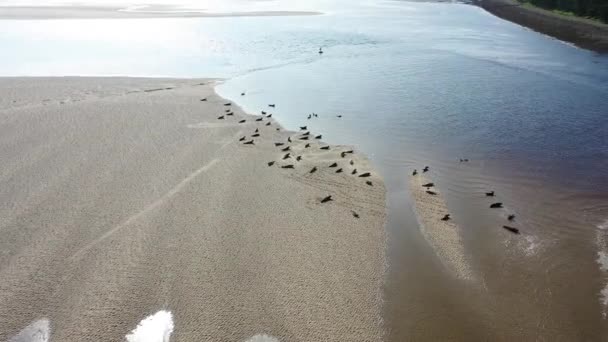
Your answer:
<point x="417" y="84"/>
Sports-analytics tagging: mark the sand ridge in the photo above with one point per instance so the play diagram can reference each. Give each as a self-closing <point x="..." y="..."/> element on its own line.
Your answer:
<point x="118" y="205"/>
<point x="443" y="236"/>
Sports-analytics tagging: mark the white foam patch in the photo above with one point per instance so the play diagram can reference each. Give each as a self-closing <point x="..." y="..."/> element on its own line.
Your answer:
<point x="262" y="338"/>
<point x="602" y="261"/>
<point x="154" y="328"/>
<point x="532" y="245"/>
<point x="603" y="225"/>
<point x="37" y="331"/>
<point x="604" y="300"/>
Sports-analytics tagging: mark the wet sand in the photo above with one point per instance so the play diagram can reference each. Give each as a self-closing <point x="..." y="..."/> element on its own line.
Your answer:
<point x="121" y="197"/>
<point x="108" y="12"/>
<point x="443" y="236"/>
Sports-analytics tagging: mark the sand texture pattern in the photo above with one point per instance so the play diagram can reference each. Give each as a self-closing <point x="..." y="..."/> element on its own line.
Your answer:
<point x="121" y="197"/>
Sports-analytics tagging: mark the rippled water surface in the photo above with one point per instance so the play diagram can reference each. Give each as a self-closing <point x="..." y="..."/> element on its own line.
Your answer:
<point x="417" y="84"/>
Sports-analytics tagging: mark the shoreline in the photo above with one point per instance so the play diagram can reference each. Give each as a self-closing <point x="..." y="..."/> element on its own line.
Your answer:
<point x="129" y="196"/>
<point x="101" y="12"/>
<point x="581" y="32"/>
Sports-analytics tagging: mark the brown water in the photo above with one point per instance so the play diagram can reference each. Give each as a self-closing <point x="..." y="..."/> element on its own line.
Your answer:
<point x="541" y="285"/>
<point x="544" y="284"/>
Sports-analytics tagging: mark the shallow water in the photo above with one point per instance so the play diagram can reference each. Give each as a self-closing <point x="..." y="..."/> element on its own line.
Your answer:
<point x="417" y="84"/>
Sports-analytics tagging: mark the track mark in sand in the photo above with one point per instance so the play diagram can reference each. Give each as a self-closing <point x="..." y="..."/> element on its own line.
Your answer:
<point x="147" y="209"/>
<point x="225" y="144"/>
<point x="443" y="236"/>
<point x="37" y="331"/>
<point x="231" y="140"/>
<point x="154" y="328"/>
<point x="262" y="338"/>
<point x="156" y="89"/>
<point x="205" y="125"/>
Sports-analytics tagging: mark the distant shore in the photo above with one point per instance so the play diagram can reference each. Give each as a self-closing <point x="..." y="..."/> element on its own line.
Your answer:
<point x="114" y="12"/>
<point x="584" y="33"/>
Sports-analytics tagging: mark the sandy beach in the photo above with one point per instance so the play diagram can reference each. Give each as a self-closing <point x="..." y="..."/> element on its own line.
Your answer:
<point x="122" y="197"/>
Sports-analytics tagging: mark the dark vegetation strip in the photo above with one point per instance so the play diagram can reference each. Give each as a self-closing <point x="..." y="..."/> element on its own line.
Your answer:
<point x="588" y="34"/>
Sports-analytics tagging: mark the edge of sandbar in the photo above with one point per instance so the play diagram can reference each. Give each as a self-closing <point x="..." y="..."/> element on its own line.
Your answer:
<point x="444" y="237"/>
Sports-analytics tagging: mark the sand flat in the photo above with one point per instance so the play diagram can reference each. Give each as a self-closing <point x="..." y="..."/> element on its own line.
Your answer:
<point x="109" y="12"/>
<point x="443" y="236"/>
<point x="117" y="202"/>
